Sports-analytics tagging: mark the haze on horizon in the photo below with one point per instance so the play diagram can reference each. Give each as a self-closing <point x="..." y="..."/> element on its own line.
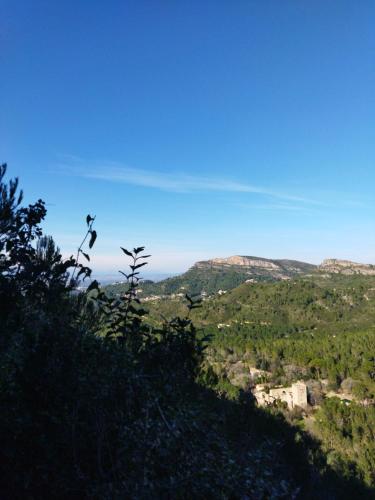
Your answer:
<point x="197" y="129"/>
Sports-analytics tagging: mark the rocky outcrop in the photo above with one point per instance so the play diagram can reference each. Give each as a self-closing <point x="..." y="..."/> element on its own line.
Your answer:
<point x="346" y="267"/>
<point x="281" y="269"/>
<point x="238" y="260"/>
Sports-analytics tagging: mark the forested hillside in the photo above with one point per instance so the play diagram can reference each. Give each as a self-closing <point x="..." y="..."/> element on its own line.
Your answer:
<point x="211" y="276"/>
<point x="324" y="326"/>
<point x="101" y="400"/>
<point x="319" y="329"/>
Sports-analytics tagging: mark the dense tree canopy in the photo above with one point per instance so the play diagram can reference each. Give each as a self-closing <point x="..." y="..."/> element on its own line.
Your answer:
<point x="100" y="402"/>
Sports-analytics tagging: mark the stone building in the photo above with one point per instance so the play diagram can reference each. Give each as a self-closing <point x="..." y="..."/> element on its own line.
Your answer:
<point x="296" y="395"/>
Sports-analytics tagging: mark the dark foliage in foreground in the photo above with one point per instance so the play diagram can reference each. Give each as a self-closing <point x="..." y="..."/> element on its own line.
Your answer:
<point x="96" y="404"/>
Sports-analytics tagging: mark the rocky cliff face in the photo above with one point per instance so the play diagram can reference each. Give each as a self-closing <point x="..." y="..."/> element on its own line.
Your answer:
<point x="238" y="260"/>
<point x="278" y="269"/>
<point x="346" y="267"/>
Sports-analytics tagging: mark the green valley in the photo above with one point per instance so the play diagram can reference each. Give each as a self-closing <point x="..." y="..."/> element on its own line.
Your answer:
<point x="318" y="329"/>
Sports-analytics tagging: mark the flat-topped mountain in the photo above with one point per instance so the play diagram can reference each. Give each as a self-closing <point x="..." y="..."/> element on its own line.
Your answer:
<point x="222" y="274"/>
<point x="274" y="268"/>
<point x="346" y="267"/>
<point x="238" y="260"/>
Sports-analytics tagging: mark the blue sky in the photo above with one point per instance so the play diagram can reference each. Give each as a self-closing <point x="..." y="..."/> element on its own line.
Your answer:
<point x="197" y="128"/>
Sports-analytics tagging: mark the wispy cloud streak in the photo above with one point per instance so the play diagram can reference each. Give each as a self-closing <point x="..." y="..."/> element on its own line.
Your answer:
<point x="175" y="182"/>
<point x="278" y="207"/>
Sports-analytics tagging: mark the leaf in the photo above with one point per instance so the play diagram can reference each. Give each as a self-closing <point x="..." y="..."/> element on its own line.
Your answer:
<point x="139" y="265"/>
<point x="144" y="256"/>
<point x="93" y="286"/>
<point x="84" y="270"/>
<point x="86" y="255"/>
<point x="88" y="272"/>
<point x="92" y="239"/>
<point x="138" y="250"/>
<point x="81" y="271"/>
<point x="127" y="252"/>
<point x="89" y="219"/>
<point x="133" y="268"/>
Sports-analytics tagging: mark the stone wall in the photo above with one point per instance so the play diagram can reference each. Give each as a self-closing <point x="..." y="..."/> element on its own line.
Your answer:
<point x="296" y="395"/>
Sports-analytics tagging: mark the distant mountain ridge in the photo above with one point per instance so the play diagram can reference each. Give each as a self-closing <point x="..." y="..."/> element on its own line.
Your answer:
<point x="222" y="274"/>
<point x="276" y="268"/>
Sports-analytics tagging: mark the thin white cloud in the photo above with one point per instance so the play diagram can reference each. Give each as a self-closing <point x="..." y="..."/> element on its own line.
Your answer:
<point x="278" y="207"/>
<point x="174" y="182"/>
